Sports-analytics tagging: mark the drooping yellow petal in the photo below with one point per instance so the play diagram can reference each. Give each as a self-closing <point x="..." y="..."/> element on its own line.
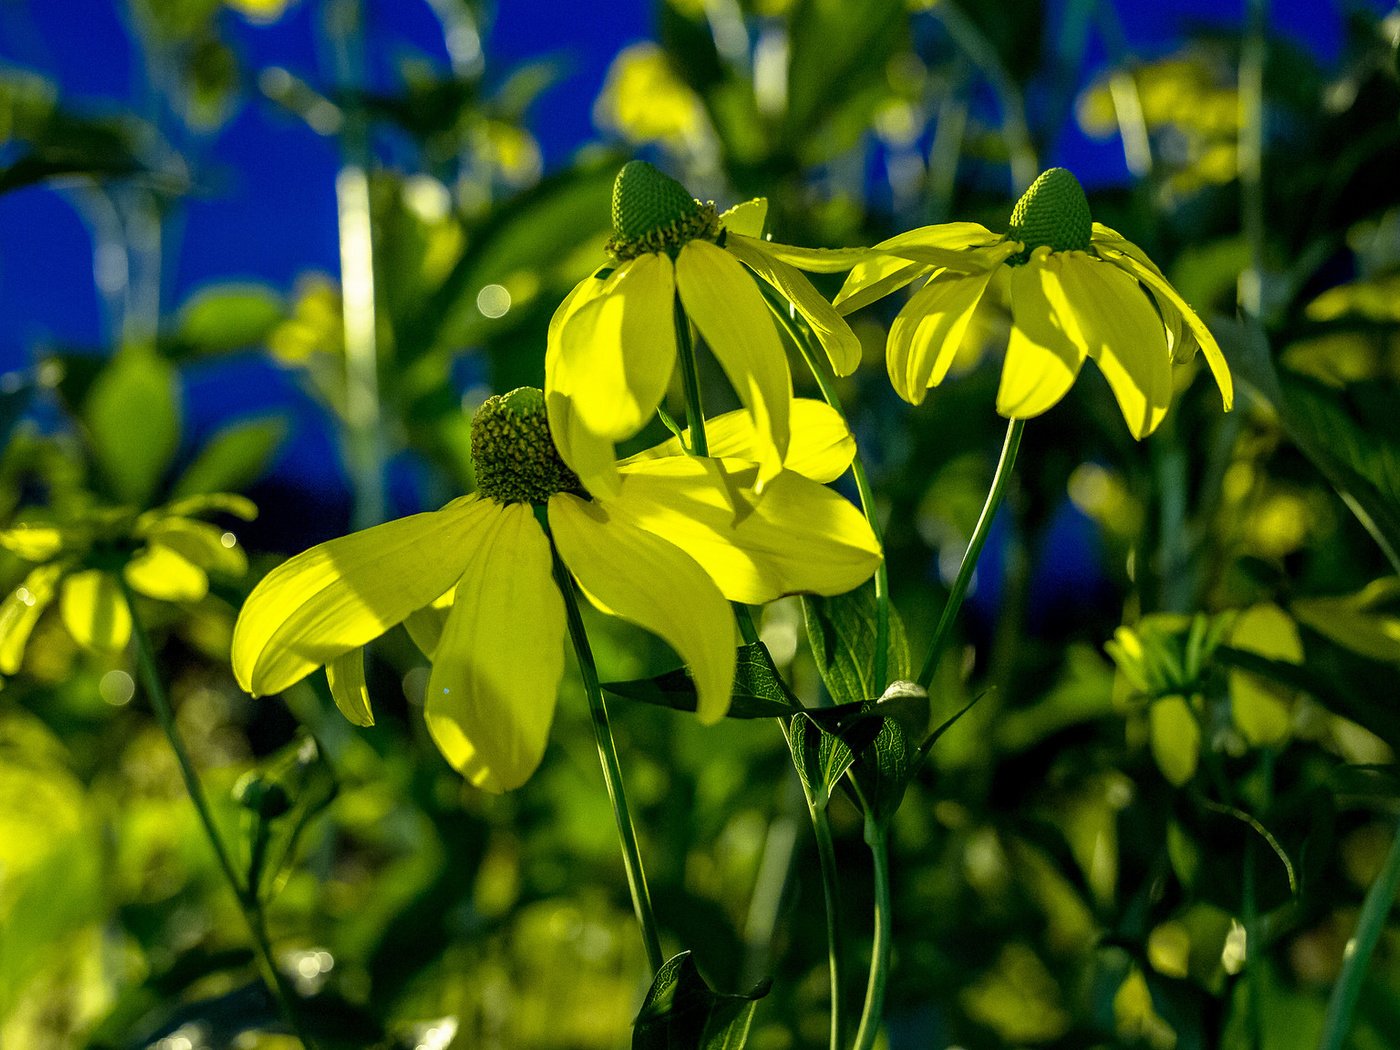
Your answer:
<point x="746" y="219"/>
<point x="821" y="447"/>
<point x="835" y="335"/>
<point x="496" y="671"/>
<point x="200" y="543"/>
<point x="346" y="677"/>
<point x="719" y="295"/>
<point x="801" y="537"/>
<point x="1176" y="738"/>
<point x="21" y="609"/>
<point x="161" y="573"/>
<point x="424" y="626"/>
<point x="618" y="350"/>
<point x="579" y="296"/>
<point x="654" y="584"/>
<point x="35" y="541"/>
<point x="95" y="611"/>
<point x="875" y="278"/>
<point x="1046" y="349"/>
<point x="817" y="260"/>
<point x="1149" y="275"/>
<point x="1124" y="336"/>
<point x="341" y="594"/>
<point x="927" y="333"/>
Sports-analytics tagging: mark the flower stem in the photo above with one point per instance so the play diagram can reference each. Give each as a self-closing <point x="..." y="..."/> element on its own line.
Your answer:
<point x="612" y="770"/>
<point x="248" y="901"/>
<point x="831" y="890"/>
<point x="877" y="838"/>
<point x="866" y="494"/>
<point x="995" y="495"/>
<point x="1369" y="927"/>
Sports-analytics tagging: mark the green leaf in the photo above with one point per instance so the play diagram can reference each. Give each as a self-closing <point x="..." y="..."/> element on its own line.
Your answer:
<point x="133" y="417"/>
<point x="279" y="801"/>
<point x="759" y="691"/>
<point x="682" y="1012"/>
<point x="820" y="757"/>
<point x="841" y="631"/>
<point x="231" y="316"/>
<point x="234" y="458"/>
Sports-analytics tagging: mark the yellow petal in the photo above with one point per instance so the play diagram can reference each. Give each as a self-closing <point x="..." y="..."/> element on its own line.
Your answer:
<point x="821" y="447"/>
<point x="801" y="537"/>
<point x="654" y="584"/>
<point x="1046" y="349"/>
<point x="1176" y="738"/>
<point x="1124" y="336"/>
<point x="1150" y="276"/>
<point x="346" y="676"/>
<point x="1262" y="709"/>
<point x="873" y="279"/>
<point x="20" y="611"/>
<point x="746" y="219"/>
<point x="927" y="333"/>
<point x="341" y="594"/>
<point x="835" y="335"/>
<point x="816" y="260"/>
<point x="200" y="543"/>
<point x="34" y="542"/>
<point x="591" y="457"/>
<point x="95" y="611"/>
<point x="949" y="236"/>
<point x="424" y="626"/>
<point x="618" y="350"/>
<point x="496" y="670"/>
<point x="721" y="298"/>
<point x="161" y="573"/>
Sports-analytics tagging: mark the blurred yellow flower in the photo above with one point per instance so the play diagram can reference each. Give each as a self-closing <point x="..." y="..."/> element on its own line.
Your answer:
<point x="164" y="553"/>
<point x="644" y="101"/>
<point x="613" y="341"/>
<point x="477" y="583"/>
<point x="1075" y="288"/>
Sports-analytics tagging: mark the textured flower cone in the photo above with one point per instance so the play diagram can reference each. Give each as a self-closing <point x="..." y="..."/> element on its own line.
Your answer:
<point x="1053" y="213"/>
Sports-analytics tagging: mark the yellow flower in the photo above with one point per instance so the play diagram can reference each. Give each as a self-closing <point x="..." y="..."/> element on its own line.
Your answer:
<point x="162" y="553"/>
<point x="477" y="583"/>
<point x="1075" y="289"/>
<point x="613" y="340"/>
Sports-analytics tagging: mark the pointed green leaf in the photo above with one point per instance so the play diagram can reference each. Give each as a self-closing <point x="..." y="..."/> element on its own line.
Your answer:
<point x="234" y="458"/>
<point x="759" y="691"/>
<point x="841" y="631"/>
<point x="133" y="418"/>
<point x="682" y="1012"/>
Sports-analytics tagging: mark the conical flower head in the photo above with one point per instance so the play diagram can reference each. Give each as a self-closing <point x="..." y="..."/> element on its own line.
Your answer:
<point x="652" y="212"/>
<point x="513" y="453"/>
<point x="1053" y="213"/>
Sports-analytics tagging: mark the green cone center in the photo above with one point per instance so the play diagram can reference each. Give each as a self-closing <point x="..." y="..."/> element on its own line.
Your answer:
<point x="1053" y="213"/>
<point x="513" y="453"/>
<point x="652" y="212"/>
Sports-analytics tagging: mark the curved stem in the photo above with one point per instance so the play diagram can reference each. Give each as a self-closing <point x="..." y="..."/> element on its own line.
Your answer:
<point x="248" y="901"/>
<point x="878" y="840"/>
<point x="831" y="890"/>
<point x="974" y="549"/>
<point x="612" y="769"/>
<point x="866" y="494"/>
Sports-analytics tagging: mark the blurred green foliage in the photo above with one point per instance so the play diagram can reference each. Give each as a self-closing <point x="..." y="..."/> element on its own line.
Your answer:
<point x="1154" y="829"/>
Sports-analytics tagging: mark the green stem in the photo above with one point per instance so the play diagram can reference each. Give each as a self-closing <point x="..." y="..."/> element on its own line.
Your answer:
<point x="878" y="840"/>
<point x="827" y="388"/>
<point x="995" y="495"/>
<point x="1369" y="927"/>
<point x="612" y="770"/>
<point x="248" y="902"/>
<point x="831" y="890"/>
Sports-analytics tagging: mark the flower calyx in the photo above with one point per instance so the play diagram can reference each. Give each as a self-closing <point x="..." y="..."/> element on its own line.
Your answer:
<point x="652" y="212"/>
<point x="513" y="453"/>
<point x="1053" y="213"/>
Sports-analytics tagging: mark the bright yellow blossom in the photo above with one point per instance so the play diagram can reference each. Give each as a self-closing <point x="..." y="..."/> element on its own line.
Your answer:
<point x="1075" y="289"/>
<point x="613" y="341"/>
<point x="163" y="553"/>
<point x="477" y="583"/>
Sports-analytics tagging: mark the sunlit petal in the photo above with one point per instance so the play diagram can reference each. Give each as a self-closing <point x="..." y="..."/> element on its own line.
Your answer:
<point x="927" y="333"/>
<point x="816" y="260"/>
<point x="821" y="448"/>
<point x="341" y="594"/>
<point x="95" y="611"/>
<point x="835" y="335"/>
<point x="161" y="573"/>
<point x="720" y="297"/>
<point x="587" y="454"/>
<point x="654" y="584"/>
<point x="801" y="537"/>
<point x="618" y="350"/>
<point x="1124" y="336"/>
<point x="497" y="669"/>
<point x="875" y="278"/>
<point x="746" y="219"/>
<point x="424" y="626"/>
<point x="1046" y="349"/>
<point x="200" y="543"/>
<point x="21" y="609"/>
<point x="35" y="542"/>
<point x="346" y="676"/>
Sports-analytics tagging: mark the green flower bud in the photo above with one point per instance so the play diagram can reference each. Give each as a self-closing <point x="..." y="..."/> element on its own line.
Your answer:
<point x="513" y="453"/>
<point x="1053" y="213"/>
<point x="652" y="212"/>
